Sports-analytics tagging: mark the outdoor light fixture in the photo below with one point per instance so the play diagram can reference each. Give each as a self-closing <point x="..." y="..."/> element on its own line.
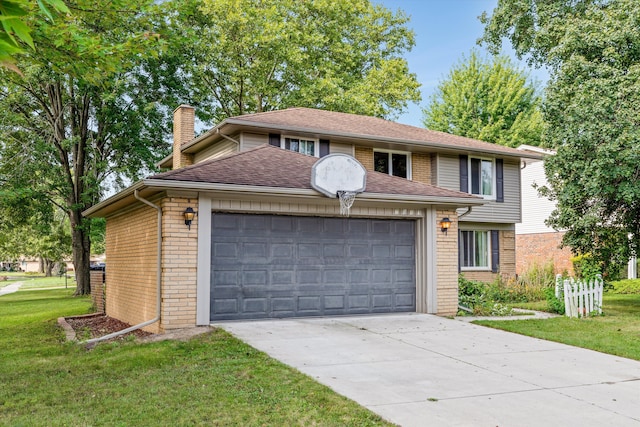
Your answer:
<point x="445" y="223"/>
<point x="189" y="214"/>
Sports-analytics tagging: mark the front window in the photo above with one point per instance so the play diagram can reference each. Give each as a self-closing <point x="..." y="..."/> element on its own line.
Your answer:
<point x="301" y="145"/>
<point x="474" y="249"/>
<point x="392" y="163"/>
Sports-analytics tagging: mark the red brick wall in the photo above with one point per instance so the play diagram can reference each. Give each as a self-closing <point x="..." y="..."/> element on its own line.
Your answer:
<point x="540" y="248"/>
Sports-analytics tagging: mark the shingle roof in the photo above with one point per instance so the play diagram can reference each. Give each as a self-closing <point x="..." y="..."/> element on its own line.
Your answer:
<point x="275" y="167"/>
<point x="322" y="121"/>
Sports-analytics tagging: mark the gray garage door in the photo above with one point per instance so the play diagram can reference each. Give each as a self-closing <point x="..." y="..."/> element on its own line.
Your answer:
<point x="284" y="266"/>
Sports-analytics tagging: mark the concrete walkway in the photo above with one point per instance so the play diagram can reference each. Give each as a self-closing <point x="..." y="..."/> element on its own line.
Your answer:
<point x="424" y="370"/>
<point x="9" y="289"/>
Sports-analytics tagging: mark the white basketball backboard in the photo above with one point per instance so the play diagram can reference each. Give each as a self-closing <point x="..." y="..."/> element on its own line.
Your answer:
<point x="338" y="172"/>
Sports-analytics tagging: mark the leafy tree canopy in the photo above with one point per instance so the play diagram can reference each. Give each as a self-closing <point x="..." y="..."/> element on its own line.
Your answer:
<point x="243" y="56"/>
<point x="14" y="31"/>
<point x="490" y="100"/>
<point x="592" y="109"/>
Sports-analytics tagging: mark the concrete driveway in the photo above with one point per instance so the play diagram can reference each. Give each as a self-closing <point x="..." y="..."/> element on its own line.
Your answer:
<point x="424" y="370"/>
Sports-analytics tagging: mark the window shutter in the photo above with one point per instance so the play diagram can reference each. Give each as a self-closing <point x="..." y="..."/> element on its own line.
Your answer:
<point x="459" y="251"/>
<point x="499" y="180"/>
<point x="464" y="174"/>
<point x="274" y="139"/>
<point x="475" y="176"/>
<point x="495" y="250"/>
<point x="324" y="147"/>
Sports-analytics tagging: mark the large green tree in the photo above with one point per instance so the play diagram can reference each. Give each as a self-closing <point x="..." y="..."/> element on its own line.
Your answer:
<point x="244" y="56"/>
<point x="80" y="112"/>
<point x="487" y="99"/>
<point x="592" y="107"/>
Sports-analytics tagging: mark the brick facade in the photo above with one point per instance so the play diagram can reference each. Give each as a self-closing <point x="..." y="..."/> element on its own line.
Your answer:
<point x="179" y="261"/>
<point x="540" y="248"/>
<point x="131" y="253"/>
<point x="447" y="264"/>
<point x="365" y="156"/>
<point x="421" y="167"/>
<point x="183" y="132"/>
<point x="97" y="290"/>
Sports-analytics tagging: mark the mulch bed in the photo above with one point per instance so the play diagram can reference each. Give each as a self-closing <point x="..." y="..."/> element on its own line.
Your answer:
<point x="99" y="326"/>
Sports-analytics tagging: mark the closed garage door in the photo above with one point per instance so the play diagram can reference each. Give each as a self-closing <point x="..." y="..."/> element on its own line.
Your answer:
<point x="266" y="266"/>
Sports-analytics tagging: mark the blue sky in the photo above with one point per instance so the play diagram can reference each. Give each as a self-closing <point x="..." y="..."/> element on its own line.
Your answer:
<point x="445" y="30"/>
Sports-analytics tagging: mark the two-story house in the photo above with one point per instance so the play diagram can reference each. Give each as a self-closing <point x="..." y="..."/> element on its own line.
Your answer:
<point x="265" y="243"/>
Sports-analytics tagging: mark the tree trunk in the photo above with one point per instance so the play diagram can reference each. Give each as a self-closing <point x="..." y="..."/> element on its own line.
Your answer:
<point x="40" y="265"/>
<point x="48" y="267"/>
<point x="81" y="252"/>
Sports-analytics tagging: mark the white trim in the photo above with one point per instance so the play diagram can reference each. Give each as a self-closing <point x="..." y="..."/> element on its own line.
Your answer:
<point x="493" y="194"/>
<point x="406" y="153"/>
<point x="431" y="261"/>
<point x="489" y="252"/>
<point x="316" y="143"/>
<point x="203" y="286"/>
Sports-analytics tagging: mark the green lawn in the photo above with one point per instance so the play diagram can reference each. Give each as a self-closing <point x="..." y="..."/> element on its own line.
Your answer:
<point x="32" y="281"/>
<point x="210" y="380"/>
<point x="616" y="332"/>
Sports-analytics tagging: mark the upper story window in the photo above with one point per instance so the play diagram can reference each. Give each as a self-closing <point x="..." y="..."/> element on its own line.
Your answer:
<point x="482" y="177"/>
<point x="396" y="163"/>
<point x="301" y="145"/>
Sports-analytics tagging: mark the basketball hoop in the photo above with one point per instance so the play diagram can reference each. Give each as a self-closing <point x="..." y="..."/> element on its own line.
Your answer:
<point x="341" y="176"/>
<point x="346" y="201"/>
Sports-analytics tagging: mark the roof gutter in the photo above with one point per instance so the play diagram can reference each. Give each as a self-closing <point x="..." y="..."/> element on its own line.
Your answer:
<point x="158" y="281"/>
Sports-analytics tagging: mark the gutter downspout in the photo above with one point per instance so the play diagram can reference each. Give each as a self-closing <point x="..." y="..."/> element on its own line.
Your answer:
<point x="227" y="137"/>
<point x="158" y="280"/>
<point x="466" y="213"/>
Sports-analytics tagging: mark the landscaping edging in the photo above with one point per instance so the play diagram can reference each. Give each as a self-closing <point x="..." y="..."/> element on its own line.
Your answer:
<point x="69" y="332"/>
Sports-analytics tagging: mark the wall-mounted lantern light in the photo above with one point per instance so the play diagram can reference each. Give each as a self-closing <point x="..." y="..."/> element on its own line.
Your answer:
<point x="445" y="224"/>
<point x="189" y="215"/>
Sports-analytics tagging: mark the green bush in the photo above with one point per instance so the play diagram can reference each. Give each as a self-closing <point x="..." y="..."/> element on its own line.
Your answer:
<point x="627" y="286"/>
<point x="555" y="304"/>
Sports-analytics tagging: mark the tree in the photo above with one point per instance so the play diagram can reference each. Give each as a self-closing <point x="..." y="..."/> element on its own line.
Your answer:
<point x="243" y="56"/>
<point x="490" y="100"/>
<point x="14" y="31"/>
<point x="592" y="111"/>
<point x="81" y="112"/>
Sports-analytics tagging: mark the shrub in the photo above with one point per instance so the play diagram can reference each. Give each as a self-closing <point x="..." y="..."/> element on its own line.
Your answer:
<point x="585" y="267"/>
<point x="627" y="286"/>
<point x="555" y="304"/>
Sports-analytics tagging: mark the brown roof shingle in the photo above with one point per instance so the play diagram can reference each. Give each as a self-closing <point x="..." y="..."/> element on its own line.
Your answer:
<point x="345" y="124"/>
<point x="275" y="167"/>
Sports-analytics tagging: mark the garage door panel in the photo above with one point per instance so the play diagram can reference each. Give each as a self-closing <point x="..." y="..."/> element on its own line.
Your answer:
<point x="279" y="266"/>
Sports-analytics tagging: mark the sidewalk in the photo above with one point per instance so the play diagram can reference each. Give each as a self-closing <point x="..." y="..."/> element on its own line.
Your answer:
<point x="9" y="289"/>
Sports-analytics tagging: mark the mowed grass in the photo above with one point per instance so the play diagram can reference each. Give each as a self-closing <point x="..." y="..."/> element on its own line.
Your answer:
<point x="616" y="332"/>
<point x="213" y="379"/>
<point x="33" y="281"/>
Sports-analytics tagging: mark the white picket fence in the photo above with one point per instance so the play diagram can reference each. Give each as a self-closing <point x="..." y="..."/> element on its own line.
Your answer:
<point x="581" y="299"/>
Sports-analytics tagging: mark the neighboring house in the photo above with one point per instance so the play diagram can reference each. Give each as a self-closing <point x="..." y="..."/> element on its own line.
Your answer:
<point x="265" y="244"/>
<point x="537" y="243"/>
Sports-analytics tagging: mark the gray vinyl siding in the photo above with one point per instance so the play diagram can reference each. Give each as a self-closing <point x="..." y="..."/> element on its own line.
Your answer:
<point x="222" y="148"/>
<point x="252" y="140"/>
<point x="448" y="174"/>
<point x="434" y="169"/>
<point x="341" y="148"/>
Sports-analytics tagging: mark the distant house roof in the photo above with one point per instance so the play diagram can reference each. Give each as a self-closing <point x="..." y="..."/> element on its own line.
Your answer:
<point x="272" y="170"/>
<point x="270" y="166"/>
<point x="347" y="126"/>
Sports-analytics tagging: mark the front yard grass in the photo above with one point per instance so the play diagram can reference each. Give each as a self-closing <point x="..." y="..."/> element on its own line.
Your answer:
<point x="616" y="332"/>
<point x="213" y="379"/>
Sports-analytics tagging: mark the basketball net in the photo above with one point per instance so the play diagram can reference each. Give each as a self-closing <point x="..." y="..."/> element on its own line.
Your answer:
<point x="346" y="201"/>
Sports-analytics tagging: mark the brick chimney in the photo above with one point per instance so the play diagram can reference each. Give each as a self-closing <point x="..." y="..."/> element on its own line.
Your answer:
<point x="183" y="132"/>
